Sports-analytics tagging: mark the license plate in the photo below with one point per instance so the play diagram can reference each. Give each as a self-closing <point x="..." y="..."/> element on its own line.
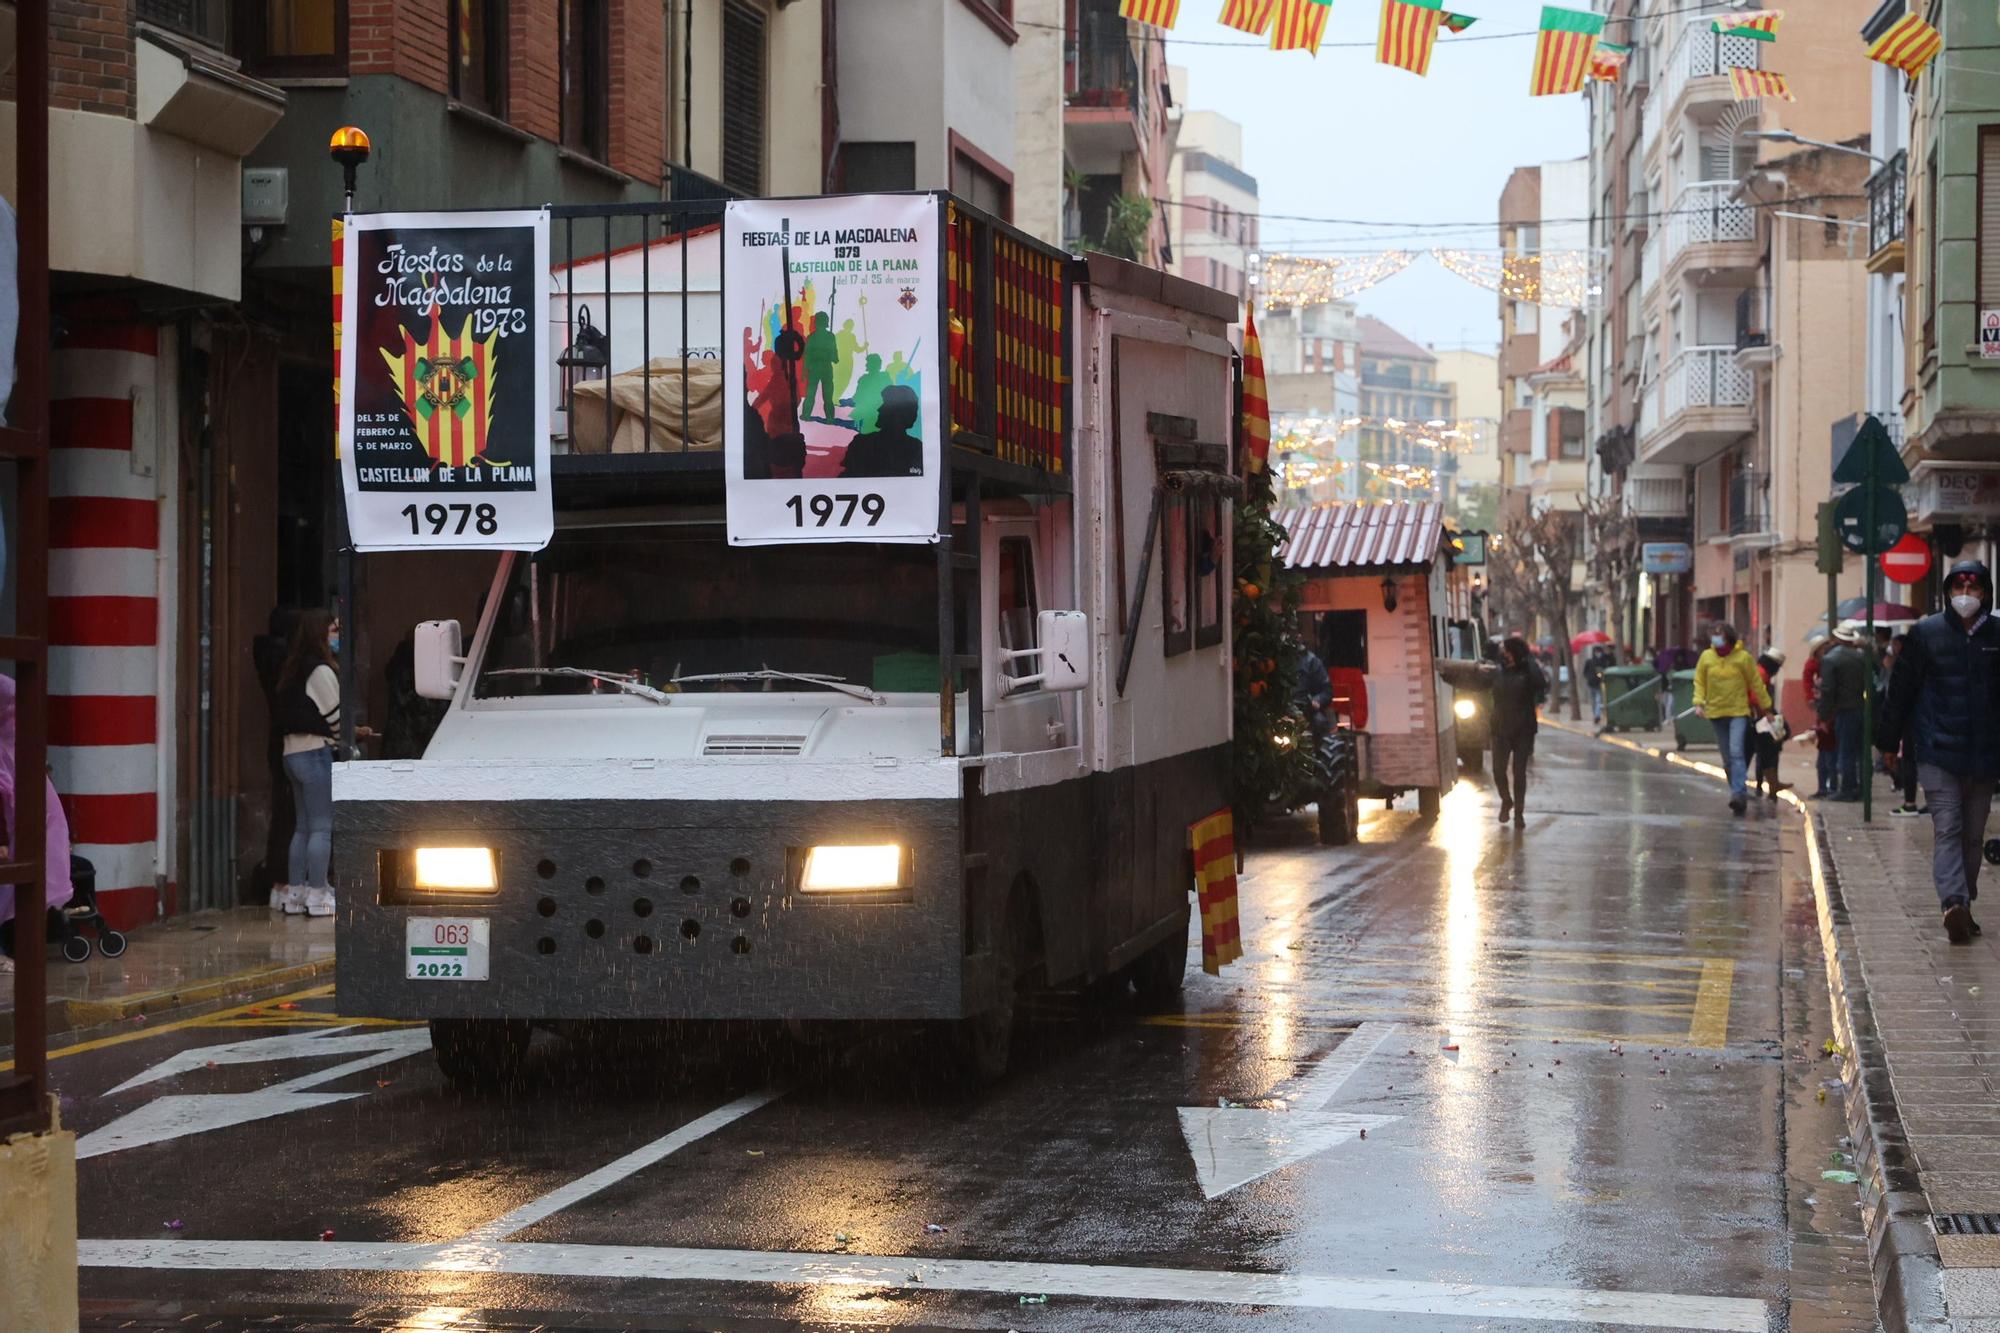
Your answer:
<point x="445" y="948"/>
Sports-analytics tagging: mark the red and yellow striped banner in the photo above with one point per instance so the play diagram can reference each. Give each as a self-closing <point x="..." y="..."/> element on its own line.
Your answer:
<point x="339" y="279"/>
<point x="446" y="383"/>
<point x="1408" y="34"/>
<point x="1251" y="16"/>
<point x="1214" y="842"/>
<point x="1154" y="13"/>
<point x="1762" y="27"/>
<point x="1607" y="61"/>
<point x="1299" y="25"/>
<point x="1751" y="84"/>
<point x="1256" y="399"/>
<point x="1908" y="45"/>
<point x="1562" y="50"/>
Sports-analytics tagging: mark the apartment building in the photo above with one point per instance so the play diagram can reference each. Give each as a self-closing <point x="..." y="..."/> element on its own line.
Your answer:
<point x="1212" y="200"/>
<point x="1475" y="380"/>
<point x="1721" y="361"/>
<point x="1312" y="378"/>
<point x="1543" y="213"/>
<point x="1117" y="127"/>
<point x="1399" y="383"/>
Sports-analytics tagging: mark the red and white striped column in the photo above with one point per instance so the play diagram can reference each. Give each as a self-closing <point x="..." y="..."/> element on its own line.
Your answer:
<point x="104" y="608"/>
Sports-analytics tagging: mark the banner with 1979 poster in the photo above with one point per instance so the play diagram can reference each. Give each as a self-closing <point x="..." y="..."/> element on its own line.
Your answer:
<point x="444" y="381"/>
<point x="833" y="418"/>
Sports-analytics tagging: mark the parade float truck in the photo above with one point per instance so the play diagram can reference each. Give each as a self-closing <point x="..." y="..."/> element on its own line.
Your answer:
<point x="876" y="673"/>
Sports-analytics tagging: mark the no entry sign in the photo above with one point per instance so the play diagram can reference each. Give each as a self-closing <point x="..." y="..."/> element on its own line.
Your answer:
<point x="1908" y="560"/>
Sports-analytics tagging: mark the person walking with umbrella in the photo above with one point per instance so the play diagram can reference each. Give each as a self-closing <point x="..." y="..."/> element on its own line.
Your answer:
<point x="1728" y="691"/>
<point x="1944" y="700"/>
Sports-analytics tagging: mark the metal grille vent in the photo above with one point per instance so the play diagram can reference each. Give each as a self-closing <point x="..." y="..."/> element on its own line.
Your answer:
<point x="728" y="745"/>
<point x="1966" y="1224"/>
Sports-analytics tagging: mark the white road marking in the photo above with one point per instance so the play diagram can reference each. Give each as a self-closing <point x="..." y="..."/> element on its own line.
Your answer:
<point x="1473" y="1300"/>
<point x="520" y="1219"/>
<point x="177" y="1116"/>
<point x="1233" y="1145"/>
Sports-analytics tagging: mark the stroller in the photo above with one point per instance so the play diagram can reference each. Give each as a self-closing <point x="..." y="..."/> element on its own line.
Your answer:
<point x="66" y="923"/>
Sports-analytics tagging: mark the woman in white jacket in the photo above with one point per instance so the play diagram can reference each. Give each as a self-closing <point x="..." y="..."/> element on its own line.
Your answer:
<point x="309" y="719"/>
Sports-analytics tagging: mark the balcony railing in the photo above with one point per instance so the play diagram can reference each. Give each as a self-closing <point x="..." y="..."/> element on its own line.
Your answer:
<point x="1749" y="507"/>
<point x="1885" y="204"/>
<point x="1751" y="328"/>
<point x="1656" y="496"/>
<point x="1106" y="71"/>
<point x="1704" y="214"/>
<point x="205" y="20"/>
<point x="1703" y="377"/>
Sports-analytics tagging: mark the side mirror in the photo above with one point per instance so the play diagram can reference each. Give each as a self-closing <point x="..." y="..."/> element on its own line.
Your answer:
<point x="1064" y="655"/>
<point x="440" y="657"/>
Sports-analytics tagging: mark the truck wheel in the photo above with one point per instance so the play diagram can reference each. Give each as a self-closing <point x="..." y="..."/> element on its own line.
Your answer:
<point x="980" y="1047"/>
<point x="1161" y="971"/>
<point x="1427" y="802"/>
<point x="1339" y="817"/>
<point x="480" y="1052"/>
<point x="1474" y="759"/>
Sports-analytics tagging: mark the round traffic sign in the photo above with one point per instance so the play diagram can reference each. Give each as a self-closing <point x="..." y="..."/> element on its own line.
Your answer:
<point x="1908" y="560"/>
<point x="1850" y="513"/>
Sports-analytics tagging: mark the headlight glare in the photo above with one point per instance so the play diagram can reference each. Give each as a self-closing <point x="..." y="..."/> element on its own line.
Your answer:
<point x="466" y="869"/>
<point x="832" y="869"/>
<point x="1465" y="708"/>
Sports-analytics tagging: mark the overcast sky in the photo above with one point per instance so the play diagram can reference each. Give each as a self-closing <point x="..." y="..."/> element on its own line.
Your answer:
<point x="1339" y="136"/>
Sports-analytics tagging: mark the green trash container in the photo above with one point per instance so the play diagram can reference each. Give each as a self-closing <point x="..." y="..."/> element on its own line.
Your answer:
<point x="1688" y="729"/>
<point x="1631" y="698"/>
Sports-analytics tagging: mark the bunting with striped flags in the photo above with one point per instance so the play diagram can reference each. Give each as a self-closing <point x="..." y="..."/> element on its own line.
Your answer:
<point x="339" y="272"/>
<point x="1562" y="50"/>
<point x="1750" y="84"/>
<point x="1213" y="841"/>
<point x="1256" y="399"/>
<point x="1908" y="45"/>
<point x="1762" y="27"/>
<point x="1457" y="22"/>
<point x="1299" y="24"/>
<point x="1409" y="33"/>
<point x="1153" y="13"/>
<point x="1607" y="61"/>
<point x="1251" y="16"/>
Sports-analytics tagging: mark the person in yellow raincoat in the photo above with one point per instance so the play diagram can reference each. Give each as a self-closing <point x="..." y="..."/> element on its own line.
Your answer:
<point x="1729" y="691"/>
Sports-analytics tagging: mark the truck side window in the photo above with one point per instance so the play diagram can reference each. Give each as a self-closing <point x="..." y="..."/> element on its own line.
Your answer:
<point x="1191" y="557"/>
<point x="1210" y="545"/>
<point x="1175" y="574"/>
<point x="1018" y="607"/>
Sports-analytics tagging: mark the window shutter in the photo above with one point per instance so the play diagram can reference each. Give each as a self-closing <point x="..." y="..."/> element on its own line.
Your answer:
<point x="743" y="98"/>
<point x="1989" y="219"/>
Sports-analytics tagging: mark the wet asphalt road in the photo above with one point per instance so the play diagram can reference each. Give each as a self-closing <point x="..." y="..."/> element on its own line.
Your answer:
<point x="1585" y="1056"/>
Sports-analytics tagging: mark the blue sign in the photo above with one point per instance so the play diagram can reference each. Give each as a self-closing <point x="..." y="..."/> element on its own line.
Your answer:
<point x="1666" y="558"/>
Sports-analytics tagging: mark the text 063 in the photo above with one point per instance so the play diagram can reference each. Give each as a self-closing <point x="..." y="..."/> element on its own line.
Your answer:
<point x="838" y="510"/>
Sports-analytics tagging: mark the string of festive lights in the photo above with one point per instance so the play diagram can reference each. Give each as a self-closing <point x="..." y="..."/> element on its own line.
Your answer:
<point x="1544" y="277"/>
<point x="1454" y="437"/>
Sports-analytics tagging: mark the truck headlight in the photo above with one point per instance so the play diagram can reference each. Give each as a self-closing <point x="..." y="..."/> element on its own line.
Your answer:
<point x="854" y="869"/>
<point x="454" y="869"/>
<point x="1465" y="708"/>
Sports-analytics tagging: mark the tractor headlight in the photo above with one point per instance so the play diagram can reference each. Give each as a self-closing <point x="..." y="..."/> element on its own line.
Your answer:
<point x="857" y="869"/>
<point x="453" y="869"/>
<point x="1465" y="708"/>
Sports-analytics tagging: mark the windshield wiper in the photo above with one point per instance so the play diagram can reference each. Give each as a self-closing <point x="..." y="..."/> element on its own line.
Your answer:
<point x="624" y="683"/>
<point x="840" y="683"/>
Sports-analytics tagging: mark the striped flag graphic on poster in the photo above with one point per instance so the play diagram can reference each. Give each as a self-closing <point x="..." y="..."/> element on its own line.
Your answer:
<point x="1562" y="50"/>
<point x="1760" y="27"/>
<point x="1251" y="16"/>
<point x="1299" y="25"/>
<point x="1908" y="45"/>
<point x="444" y="401"/>
<point x="1607" y="61"/>
<point x="1409" y="32"/>
<point x="1154" y="13"/>
<point x="1214" y="843"/>
<point x="1256" y="398"/>
<point x="1751" y="84"/>
<point x="1457" y="22"/>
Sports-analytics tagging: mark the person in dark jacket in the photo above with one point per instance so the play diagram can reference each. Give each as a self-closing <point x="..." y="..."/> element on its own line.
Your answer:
<point x="1314" y="693"/>
<point x="1518" y="688"/>
<point x="1944" y="701"/>
<point x="1843" y="682"/>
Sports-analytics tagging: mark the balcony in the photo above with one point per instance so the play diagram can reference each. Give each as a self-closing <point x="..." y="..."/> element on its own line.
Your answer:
<point x="1707" y="228"/>
<point x="1698" y="69"/>
<point x="1749" y="509"/>
<point x="1107" y="108"/>
<point x="1753" y="329"/>
<point x="1885" y="215"/>
<point x="1656" y="492"/>
<point x="1698" y="405"/>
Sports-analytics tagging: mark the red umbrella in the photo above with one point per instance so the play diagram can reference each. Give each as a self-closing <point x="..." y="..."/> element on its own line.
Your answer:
<point x="1587" y="638"/>
<point x="1885" y="611"/>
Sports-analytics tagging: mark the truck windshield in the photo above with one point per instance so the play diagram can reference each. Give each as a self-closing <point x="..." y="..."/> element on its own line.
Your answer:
<point x="650" y="604"/>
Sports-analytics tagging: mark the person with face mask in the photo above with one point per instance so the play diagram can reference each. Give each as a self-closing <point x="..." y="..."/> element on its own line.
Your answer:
<point x="1943" y="703"/>
<point x="1728" y="691"/>
<point x="1843" y="686"/>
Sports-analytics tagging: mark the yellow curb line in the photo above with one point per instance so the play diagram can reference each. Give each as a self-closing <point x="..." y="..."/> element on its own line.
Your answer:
<point x="140" y="1034"/>
<point x="90" y="1013"/>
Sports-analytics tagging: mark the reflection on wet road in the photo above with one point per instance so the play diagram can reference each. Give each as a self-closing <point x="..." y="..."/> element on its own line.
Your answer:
<point x="1463" y="1077"/>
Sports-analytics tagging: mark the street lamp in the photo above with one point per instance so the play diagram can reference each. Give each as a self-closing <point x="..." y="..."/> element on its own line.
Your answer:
<point x="1786" y="136"/>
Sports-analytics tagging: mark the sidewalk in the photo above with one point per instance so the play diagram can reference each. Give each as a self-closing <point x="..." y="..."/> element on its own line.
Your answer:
<point x="182" y="962"/>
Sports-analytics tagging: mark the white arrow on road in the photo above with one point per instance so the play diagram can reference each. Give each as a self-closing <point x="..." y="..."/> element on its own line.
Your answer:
<point x="177" y="1116"/>
<point x="1235" y="1145"/>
